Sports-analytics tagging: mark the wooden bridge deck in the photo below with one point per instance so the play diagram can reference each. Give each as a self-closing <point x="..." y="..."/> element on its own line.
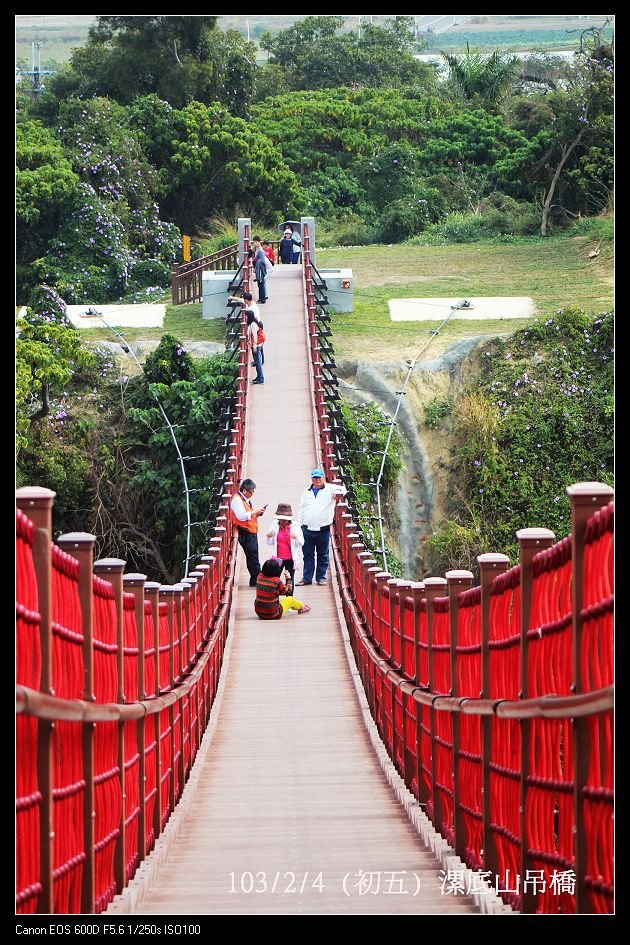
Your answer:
<point x="290" y="803"/>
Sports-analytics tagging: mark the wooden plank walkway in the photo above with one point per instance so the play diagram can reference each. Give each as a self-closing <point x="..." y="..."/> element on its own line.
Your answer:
<point x="291" y="807"/>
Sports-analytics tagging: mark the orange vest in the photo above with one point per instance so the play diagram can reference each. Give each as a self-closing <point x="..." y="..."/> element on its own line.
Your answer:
<point x="249" y="526"/>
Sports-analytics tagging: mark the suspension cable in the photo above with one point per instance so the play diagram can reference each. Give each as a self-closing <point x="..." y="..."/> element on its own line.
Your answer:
<point x="171" y="431"/>
<point x="462" y="304"/>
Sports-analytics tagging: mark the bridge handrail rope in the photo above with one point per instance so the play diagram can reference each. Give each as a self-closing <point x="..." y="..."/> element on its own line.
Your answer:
<point x="116" y="677"/>
<point x="485" y="697"/>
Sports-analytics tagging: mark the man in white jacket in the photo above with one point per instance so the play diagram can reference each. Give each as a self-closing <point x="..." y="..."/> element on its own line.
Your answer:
<point x="317" y="510"/>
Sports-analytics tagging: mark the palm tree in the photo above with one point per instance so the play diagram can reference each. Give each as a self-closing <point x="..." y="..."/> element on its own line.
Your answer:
<point x="481" y="78"/>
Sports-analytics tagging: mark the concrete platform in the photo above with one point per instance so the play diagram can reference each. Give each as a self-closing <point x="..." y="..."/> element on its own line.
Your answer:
<point x="121" y="316"/>
<point x="481" y="307"/>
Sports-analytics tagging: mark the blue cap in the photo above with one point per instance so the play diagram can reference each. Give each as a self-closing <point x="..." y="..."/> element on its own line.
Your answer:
<point x="317" y="474"/>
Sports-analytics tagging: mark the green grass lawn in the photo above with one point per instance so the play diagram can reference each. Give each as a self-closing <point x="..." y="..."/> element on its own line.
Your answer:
<point x="183" y="321"/>
<point x="555" y="273"/>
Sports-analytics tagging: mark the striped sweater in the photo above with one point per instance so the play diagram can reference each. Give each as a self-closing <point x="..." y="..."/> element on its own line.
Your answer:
<point x="268" y="591"/>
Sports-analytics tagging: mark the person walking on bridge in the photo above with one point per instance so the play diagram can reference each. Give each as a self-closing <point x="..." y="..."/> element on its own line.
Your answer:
<point x="315" y="515"/>
<point x="255" y="342"/>
<point x="260" y="270"/>
<point x="245" y="518"/>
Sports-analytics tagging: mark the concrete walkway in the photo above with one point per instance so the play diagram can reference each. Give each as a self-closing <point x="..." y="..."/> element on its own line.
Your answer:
<point x="291" y="811"/>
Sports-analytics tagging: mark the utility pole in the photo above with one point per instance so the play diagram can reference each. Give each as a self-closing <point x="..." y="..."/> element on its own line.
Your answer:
<point x="36" y="71"/>
<point x="247" y="21"/>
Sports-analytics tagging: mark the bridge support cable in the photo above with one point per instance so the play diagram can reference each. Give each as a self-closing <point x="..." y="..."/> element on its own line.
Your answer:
<point x="173" y="437"/>
<point x="412" y="364"/>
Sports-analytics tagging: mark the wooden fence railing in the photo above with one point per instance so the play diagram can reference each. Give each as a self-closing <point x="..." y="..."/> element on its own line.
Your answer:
<point x="186" y="279"/>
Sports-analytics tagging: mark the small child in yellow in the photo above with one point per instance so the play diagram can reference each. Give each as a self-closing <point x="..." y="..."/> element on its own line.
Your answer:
<point x="269" y="590"/>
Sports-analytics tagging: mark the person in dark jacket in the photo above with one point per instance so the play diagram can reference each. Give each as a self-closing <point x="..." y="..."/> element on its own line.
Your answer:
<point x="260" y="269"/>
<point x="285" y="247"/>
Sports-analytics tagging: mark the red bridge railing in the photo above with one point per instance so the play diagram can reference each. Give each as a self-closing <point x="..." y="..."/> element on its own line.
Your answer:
<point x="116" y="677"/>
<point x="494" y="702"/>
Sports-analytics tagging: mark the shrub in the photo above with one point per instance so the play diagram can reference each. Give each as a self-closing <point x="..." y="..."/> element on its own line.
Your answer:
<point x="168" y="363"/>
<point x="499" y="217"/>
<point x="436" y="410"/>
<point x="455" y="545"/>
<point x="459" y="227"/>
<point x="540" y="419"/>
<point x="345" y="231"/>
<point x="366" y="429"/>
<point x="410" y="215"/>
<point x="598" y="228"/>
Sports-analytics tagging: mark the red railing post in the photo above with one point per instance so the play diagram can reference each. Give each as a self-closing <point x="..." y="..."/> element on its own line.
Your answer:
<point x="37" y="503"/>
<point x="434" y="587"/>
<point x="490" y="565"/>
<point x="586" y="498"/>
<point x="167" y="591"/>
<point x="419" y="596"/>
<point x="394" y="606"/>
<point x="81" y="546"/>
<point x="531" y="541"/>
<point x="152" y="594"/>
<point x="134" y="583"/>
<point x="111" y="569"/>
<point x="179" y="612"/>
<point x="457" y="582"/>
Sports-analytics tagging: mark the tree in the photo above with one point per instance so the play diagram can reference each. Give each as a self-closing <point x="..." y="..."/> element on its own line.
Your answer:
<point x="482" y="80"/>
<point x="585" y="117"/>
<point x="45" y="185"/>
<point x="568" y="162"/>
<point x="140" y="500"/>
<point x="313" y="54"/>
<point x="180" y="58"/>
<point x="359" y="149"/>
<point x="112" y="241"/>
<point x="220" y="162"/>
<point x="48" y="350"/>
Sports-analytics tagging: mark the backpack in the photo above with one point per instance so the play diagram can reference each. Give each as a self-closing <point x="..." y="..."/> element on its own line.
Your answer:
<point x="260" y="339"/>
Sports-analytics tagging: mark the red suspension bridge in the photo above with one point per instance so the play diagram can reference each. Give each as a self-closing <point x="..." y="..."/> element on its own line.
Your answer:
<point x="406" y="748"/>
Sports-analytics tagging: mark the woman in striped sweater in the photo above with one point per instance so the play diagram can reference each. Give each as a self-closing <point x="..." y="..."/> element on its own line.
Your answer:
<point x="269" y="591"/>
